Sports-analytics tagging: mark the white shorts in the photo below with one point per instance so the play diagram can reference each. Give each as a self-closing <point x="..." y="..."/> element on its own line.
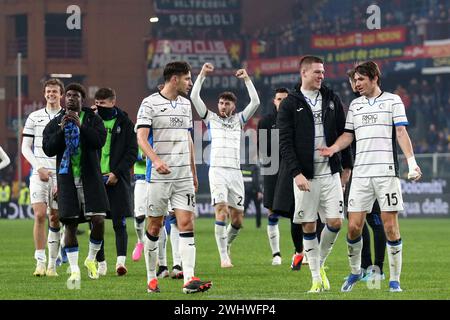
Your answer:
<point x="82" y="201"/>
<point x="227" y="186"/>
<point x="140" y="198"/>
<point x="364" y="191"/>
<point x="325" y="198"/>
<point x="178" y="195"/>
<point x="42" y="191"/>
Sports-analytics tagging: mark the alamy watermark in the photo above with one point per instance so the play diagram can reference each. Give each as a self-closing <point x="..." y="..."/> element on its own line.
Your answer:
<point x="73" y="22"/>
<point x="374" y="281"/>
<point x="374" y="20"/>
<point x="249" y="153"/>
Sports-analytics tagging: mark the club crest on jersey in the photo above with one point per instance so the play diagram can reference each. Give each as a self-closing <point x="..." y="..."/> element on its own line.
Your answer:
<point x="332" y="105"/>
<point x="381" y="106"/>
<point x="176" y="122"/>
<point x="118" y="130"/>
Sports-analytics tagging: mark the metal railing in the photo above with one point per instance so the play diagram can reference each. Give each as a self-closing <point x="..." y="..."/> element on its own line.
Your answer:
<point x="19" y="44"/>
<point x="433" y="165"/>
<point x="64" y="47"/>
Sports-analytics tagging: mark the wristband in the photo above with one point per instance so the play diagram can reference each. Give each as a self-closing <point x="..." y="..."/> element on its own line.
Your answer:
<point x="412" y="164"/>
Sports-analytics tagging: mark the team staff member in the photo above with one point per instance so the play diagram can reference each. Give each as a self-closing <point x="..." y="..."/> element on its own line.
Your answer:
<point x="118" y="156"/>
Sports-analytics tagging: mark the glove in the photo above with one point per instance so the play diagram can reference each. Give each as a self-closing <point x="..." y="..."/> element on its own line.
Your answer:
<point x="413" y="174"/>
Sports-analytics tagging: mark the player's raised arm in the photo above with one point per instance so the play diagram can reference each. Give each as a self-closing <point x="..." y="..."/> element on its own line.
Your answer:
<point x="199" y="105"/>
<point x="4" y="159"/>
<point x="251" y="108"/>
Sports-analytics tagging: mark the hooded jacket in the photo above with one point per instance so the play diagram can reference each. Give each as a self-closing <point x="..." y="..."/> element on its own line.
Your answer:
<point x="123" y="154"/>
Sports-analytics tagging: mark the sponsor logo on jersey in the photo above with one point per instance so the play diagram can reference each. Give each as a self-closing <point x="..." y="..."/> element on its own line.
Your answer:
<point x="227" y="125"/>
<point x="369" y="118"/>
<point x="176" y="122"/>
<point x="317" y="117"/>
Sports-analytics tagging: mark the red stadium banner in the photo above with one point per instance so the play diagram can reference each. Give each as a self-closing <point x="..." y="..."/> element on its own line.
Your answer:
<point x="274" y="66"/>
<point x="360" y="39"/>
<point x="257" y="48"/>
<point x="225" y="55"/>
<point x="431" y="49"/>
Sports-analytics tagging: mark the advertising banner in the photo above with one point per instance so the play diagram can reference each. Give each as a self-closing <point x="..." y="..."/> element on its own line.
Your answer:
<point x="201" y="19"/>
<point x="225" y="55"/>
<point x="359" y="39"/>
<point x="209" y="5"/>
<point x="426" y="198"/>
<point x="199" y="13"/>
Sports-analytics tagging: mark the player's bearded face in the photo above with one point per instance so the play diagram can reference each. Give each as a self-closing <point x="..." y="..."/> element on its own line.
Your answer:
<point x="184" y="84"/>
<point x="226" y="107"/>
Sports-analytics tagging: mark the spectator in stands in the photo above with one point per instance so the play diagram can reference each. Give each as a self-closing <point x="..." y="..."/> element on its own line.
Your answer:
<point x="432" y="137"/>
<point x="24" y="198"/>
<point x="5" y="196"/>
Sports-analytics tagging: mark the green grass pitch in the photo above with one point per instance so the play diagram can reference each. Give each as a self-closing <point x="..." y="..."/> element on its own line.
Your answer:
<point x="426" y="258"/>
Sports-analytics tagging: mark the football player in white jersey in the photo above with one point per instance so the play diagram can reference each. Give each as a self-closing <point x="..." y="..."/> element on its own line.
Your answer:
<point x="43" y="179"/>
<point x="377" y="121"/>
<point x="163" y="123"/>
<point x="4" y="159"/>
<point x="225" y="176"/>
